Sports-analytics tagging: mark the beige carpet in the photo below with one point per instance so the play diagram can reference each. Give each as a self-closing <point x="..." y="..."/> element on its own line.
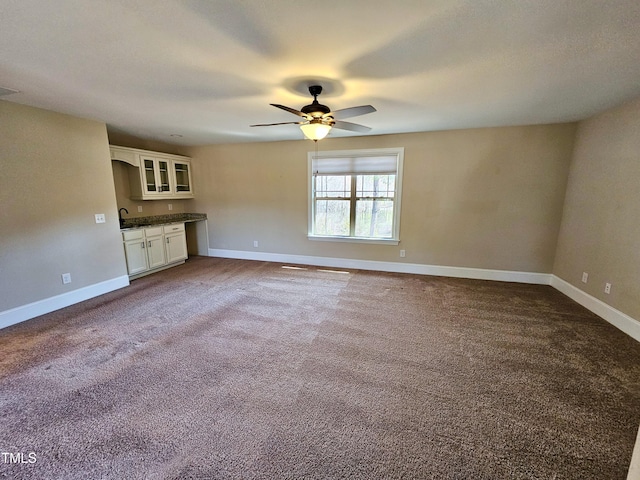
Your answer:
<point x="229" y="369"/>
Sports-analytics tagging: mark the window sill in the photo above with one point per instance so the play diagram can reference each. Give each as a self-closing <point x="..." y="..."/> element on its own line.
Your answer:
<point x="375" y="241"/>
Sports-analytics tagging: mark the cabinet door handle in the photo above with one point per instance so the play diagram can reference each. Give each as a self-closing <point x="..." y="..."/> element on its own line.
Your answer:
<point x="142" y="244"/>
<point x="149" y="244"/>
<point x="167" y="240"/>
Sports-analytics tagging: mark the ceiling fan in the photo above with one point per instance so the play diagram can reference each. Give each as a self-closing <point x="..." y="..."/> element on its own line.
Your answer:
<point x="319" y="119"/>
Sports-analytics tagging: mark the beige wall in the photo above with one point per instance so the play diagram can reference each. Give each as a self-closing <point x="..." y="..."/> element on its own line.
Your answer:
<point x="486" y="198"/>
<point x="600" y="232"/>
<point x="56" y="174"/>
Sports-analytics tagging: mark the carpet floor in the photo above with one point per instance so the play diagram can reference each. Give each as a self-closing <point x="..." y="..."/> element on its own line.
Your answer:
<point x="229" y="369"/>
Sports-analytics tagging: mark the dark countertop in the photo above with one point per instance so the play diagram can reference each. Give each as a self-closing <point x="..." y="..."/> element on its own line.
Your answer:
<point x="137" y="222"/>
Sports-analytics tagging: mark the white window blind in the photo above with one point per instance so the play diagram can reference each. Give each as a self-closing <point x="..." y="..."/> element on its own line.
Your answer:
<point x="383" y="164"/>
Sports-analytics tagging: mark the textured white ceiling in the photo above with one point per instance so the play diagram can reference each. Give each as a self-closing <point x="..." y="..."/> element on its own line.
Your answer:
<point x="206" y="69"/>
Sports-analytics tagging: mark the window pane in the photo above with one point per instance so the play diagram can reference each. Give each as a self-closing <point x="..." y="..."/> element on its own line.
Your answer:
<point x="374" y="218"/>
<point x="332" y="217"/>
<point x="375" y="186"/>
<point x="333" y="186"/>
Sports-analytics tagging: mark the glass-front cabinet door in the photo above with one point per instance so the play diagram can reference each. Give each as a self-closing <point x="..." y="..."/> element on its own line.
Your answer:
<point x="150" y="179"/>
<point x="182" y="176"/>
<point x="163" y="170"/>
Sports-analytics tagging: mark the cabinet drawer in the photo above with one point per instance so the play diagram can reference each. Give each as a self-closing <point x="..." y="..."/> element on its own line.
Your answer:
<point x="133" y="234"/>
<point x="173" y="228"/>
<point x="153" y="231"/>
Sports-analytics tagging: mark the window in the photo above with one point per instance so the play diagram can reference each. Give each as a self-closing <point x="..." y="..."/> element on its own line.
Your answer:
<point x="355" y="195"/>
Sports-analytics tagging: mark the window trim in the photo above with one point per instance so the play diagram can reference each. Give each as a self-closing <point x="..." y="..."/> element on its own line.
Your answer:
<point x="398" y="152"/>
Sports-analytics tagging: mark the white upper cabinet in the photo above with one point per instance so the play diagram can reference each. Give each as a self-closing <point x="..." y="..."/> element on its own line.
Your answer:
<point x="155" y="175"/>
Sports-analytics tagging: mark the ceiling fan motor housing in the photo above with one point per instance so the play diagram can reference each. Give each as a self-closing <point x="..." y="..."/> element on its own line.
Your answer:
<point x="315" y="109"/>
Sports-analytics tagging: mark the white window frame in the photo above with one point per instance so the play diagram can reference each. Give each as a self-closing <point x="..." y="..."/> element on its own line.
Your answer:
<point x="398" y="152"/>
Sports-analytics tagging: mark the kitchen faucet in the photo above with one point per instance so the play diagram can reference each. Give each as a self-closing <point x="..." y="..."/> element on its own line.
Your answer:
<point x="120" y="215"/>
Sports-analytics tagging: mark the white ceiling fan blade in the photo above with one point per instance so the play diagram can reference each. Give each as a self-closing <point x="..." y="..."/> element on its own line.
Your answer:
<point x="354" y="127"/>
<point x="352" y="112"/>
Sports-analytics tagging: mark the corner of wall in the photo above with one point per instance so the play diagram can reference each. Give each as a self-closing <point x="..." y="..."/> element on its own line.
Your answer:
<point x="618" y="319"/>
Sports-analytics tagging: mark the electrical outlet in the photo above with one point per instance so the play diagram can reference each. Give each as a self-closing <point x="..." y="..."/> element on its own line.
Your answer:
<point x="170" y="206"/>
<point x="66" y="278"/>
<point x="255" y="244"/>
<point x="403" y="253"/>
<point x="607" y="288"/>
<point x="139" y="208"/>
<point x="585" y="277"/>
<point x="100" y="218"/>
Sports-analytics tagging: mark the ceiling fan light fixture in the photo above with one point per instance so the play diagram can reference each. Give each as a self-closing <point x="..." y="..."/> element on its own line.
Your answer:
<point x="315" y="130"/>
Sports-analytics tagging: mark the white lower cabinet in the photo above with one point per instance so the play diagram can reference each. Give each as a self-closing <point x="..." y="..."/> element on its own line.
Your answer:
<point x="175" y="242"/>
<point x="155" y="247"/>
<point x="151" y="248"/>
<point x="135" y="251"/>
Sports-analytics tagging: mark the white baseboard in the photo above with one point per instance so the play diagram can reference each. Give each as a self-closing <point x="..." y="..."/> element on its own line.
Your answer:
<point x="35" y="309"/>
<point x="622" y="321"/>
<point x="397" y="267"/>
